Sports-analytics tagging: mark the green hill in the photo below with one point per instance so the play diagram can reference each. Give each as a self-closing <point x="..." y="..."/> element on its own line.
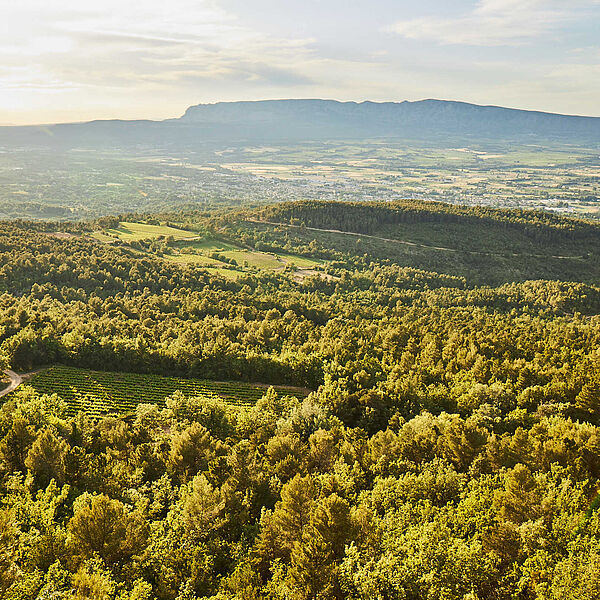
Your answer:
<point x="485" y="246"/>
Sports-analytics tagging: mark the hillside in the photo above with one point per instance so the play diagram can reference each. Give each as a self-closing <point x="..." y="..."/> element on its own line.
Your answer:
<point x="485" y="246"/>
<point x="327" y="118"/>
<point x="166" y="449"/>
<point x="297" y="120"/>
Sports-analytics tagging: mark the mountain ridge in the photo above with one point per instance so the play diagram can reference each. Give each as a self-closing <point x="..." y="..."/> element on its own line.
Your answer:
<point x="293" y="120"/>
<point x="375" y="103"/>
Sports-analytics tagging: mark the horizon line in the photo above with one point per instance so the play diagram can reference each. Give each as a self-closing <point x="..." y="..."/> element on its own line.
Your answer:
<point x="308" y="99"/>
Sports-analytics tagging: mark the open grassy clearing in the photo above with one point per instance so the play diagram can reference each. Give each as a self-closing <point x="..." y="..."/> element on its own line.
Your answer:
<point x="133" y="232"/>
<point x="207" y="244"/>
<point x="193" y="259"/>
<point x="99" y="393"/>
<point x="301" y="262"/>
<point x="101" y="236"/>
<point x="260" y="260"/>
<point x="202" y="252"/>
<point x="206" y="253"/>
<point x="210" y="264"/>
<point x="226" y="273"/>
<point x="218" y="256"/>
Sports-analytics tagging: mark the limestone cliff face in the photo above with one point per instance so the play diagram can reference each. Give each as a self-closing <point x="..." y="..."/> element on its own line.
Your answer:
<point x="393" y="118"/>
<point x="313" y="120"/>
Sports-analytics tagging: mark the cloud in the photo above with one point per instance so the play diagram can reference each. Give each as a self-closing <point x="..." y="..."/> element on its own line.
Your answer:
<point x="116" y="44"/>
<point x="77" y="59"/>
<point x="495" y="22"/>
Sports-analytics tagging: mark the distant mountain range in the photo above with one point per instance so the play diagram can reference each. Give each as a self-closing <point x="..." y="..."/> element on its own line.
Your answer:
<point x="318" y="120"/>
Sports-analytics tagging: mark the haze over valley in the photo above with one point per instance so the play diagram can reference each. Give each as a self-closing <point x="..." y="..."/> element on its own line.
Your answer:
<point x="244" y="153"/>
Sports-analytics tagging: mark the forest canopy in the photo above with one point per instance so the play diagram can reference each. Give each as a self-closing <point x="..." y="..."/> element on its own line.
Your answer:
<point x="449" y="448"/>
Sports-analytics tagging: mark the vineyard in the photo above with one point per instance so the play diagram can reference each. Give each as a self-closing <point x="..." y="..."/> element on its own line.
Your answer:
<point x="99" y="393"/>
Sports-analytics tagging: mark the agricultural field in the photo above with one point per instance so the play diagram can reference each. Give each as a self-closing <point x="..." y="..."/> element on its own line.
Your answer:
<point x="207" y="245"/>
<point x="218" y="256"/>
<point x="226" y="273"/>
<point x="207" y="249"/>
<point x="134" y="232"/>
<point x="221" y="257"/>
<point x="77" y="184"/>
<point x="194" y="259"/>
<point x="559" y="178"/>
<point x="99" y="393"/>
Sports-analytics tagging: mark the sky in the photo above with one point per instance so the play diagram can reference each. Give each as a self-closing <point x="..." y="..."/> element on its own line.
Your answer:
<point x="75" y="60"/>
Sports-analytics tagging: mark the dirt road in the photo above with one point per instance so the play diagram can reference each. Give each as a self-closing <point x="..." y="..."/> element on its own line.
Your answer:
<point x="415" y="244"/>
<point x="15" y="381"/>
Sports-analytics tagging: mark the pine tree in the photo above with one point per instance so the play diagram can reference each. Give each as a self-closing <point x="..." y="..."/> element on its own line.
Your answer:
<point x="589" y="399"/>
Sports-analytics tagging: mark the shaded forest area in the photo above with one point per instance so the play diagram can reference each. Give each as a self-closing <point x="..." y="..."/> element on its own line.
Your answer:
<point x="484" y="245"/>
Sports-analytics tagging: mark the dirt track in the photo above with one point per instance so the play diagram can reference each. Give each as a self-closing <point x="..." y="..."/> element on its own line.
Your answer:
<point x="415" y="244"/>
<point x="15" y="381"/>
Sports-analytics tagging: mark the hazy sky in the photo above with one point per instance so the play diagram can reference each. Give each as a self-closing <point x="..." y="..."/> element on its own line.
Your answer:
<point x="66" y="60"/>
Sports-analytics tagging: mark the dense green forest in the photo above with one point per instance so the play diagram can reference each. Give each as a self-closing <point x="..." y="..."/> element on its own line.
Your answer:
<point x="450" y="448"/>
<point x="484" y="245"/>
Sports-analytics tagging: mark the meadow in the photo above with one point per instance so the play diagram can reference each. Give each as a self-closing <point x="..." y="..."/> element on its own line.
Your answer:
<point x="218" y="256"/>
<point x="134" y="232"/>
